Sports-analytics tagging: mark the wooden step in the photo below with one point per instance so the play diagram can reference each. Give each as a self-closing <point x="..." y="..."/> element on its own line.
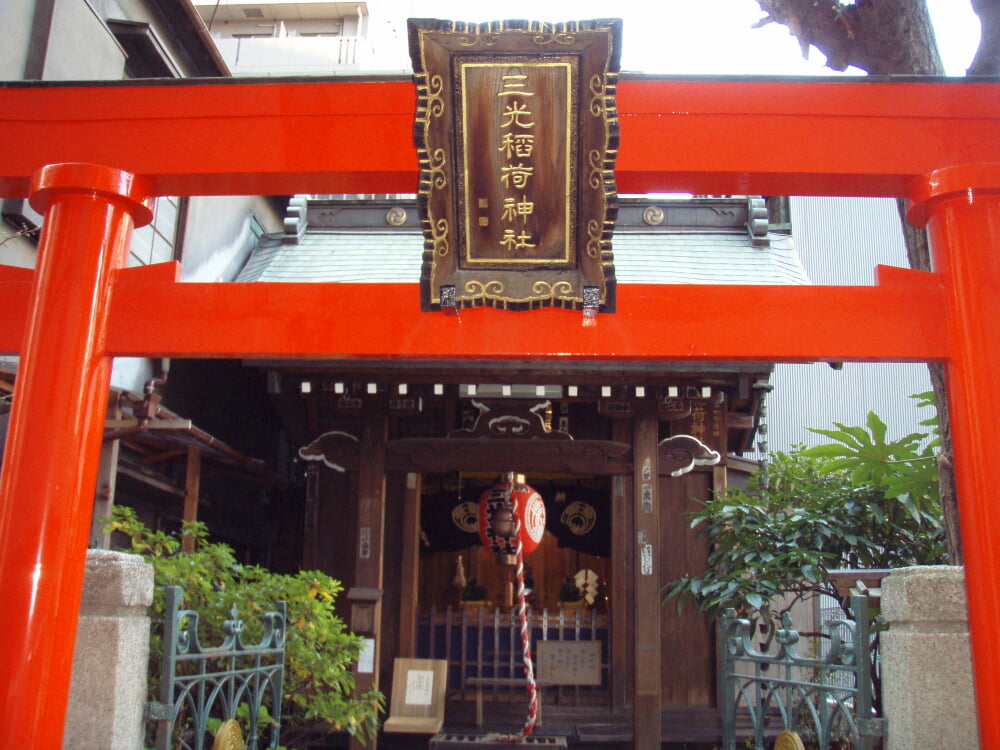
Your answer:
<point x="462" y="741"/>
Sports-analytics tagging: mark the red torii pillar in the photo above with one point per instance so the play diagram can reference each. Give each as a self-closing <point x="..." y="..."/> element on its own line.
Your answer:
<point x="78" y="304"/>
<point x="47" y="483"/>
<point x="960" y="207"/>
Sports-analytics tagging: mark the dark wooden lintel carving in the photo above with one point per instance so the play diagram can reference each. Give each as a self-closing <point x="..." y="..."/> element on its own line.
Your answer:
<point x="510" y="420"/>
<point x="335" y="449"/>
<point x="439" y="455"/>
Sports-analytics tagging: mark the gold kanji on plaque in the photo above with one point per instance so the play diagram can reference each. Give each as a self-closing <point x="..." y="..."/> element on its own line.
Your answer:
<point x="517" y="136"/>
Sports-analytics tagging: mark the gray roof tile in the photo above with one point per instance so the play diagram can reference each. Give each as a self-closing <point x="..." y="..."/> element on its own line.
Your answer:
<point x="640" y="258"/>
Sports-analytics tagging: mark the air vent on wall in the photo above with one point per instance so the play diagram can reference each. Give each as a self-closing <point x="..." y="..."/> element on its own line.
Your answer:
<point x="253" y="13"/>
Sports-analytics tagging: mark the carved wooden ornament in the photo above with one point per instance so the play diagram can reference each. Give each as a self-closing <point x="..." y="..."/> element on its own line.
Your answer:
<point x="517" y="135"/>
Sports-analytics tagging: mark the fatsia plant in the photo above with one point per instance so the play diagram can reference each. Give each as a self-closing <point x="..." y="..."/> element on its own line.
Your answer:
<point x="903" y="471"/>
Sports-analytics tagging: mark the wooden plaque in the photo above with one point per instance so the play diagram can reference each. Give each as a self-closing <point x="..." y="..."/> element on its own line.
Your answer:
<point x="569" y="662"/>
<point x="517" y="135"/>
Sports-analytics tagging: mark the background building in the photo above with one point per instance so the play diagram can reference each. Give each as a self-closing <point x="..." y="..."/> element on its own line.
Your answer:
<point x="153" y="470"/>
<point x="290" y="38"/>
<point x="840" y="242"/>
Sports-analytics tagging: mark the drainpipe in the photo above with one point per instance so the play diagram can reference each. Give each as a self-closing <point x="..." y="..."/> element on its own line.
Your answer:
<point x="198" y="24"/>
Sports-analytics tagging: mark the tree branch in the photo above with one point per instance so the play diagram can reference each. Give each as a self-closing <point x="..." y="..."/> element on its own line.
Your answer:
<point x="987" y="59"/>
<point x="882" y="37"/>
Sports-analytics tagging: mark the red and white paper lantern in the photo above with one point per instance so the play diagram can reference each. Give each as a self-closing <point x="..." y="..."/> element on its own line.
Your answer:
<point x="508" y="512"/>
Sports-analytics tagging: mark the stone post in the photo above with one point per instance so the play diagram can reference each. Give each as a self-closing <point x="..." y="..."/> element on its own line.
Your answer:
<point x="111" y="659"/>
<point x="927" y="688"/>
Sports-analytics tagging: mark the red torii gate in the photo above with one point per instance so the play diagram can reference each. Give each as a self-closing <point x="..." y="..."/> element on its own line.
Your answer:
<point x="935" y="143"/>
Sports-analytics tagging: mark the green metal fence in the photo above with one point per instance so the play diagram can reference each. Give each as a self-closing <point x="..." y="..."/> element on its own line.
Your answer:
<point x="827" y="700"/>
<point x="199" y="684"/>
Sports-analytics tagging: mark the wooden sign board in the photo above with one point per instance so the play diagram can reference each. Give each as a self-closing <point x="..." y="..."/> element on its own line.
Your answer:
<point x="517" y="135"/>
<point x="418" y="696"/>
<point x="569" y="662"/>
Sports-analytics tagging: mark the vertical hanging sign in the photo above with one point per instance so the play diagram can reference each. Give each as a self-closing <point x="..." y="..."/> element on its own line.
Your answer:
<point x="517" y="135"/>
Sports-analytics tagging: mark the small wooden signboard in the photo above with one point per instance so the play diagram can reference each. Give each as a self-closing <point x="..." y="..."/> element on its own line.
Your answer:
<point x="569" y="662"/>
<point x="418" y="695"/>
<point x="517" y="136"/>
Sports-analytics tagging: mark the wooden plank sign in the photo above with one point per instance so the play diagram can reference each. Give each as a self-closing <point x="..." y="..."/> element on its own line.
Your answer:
<point x="569" y="662"/>
<point x="418" y="696"/>
<point x="517" y="134"/>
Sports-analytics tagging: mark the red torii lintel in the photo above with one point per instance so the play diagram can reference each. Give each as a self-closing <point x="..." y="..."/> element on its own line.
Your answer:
<point x="842" y="136"/>
<point x="935" y="142"/>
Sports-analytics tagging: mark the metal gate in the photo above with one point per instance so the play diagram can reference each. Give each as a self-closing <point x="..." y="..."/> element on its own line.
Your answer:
<point x="826" y="698"/>
<point x="198" y="684"/>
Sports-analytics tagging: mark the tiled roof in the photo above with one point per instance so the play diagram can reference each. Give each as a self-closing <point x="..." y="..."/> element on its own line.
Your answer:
<point x="368" y="256"/>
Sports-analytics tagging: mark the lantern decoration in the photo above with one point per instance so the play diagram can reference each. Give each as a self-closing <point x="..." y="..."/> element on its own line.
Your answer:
<point x="511" y="524"/>
<point x="511" y="512"/>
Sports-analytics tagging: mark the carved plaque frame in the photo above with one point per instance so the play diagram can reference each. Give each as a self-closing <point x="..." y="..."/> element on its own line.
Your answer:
<point x="517" y="135"/>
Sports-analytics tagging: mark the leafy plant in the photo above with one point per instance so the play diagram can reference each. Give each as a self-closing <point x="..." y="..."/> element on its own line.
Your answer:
<point x="903" y="471"/>
<point x="474" y="591"/>
<point x="783" y="541"/>
<point x="860" y="502"/>
<point x="569" y="591"/>
<point x="319" y="650"/>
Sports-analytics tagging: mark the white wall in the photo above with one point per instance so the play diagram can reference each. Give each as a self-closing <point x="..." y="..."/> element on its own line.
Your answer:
<point x="840" y="241"/>
<point x="15" y="20"/>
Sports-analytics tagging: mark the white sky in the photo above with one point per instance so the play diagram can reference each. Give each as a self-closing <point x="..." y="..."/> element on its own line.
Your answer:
<point x="679" y="37"/>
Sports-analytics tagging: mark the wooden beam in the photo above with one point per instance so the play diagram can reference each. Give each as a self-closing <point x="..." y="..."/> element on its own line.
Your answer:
<point x="370" y="552"/>
<point x="157" y="458"/>
<point x="192" y="489"/>
<point x="310" y="519"/>
<point x="157" y="482"/>
<point x="622" y="583"/>
<point x="153" y="424"/>
<point x="735" y="420"/>
<point x="442" y="455"/>
<point x="107" y="477"/>
<point x="408" y="603"/>
<point x="646" y="723"/>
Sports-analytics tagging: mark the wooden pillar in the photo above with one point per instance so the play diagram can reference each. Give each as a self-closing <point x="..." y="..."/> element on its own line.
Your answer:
<point x="107" y="476"/>
<point x="310" y="519"/>
<point x="192" y="489"/>
<point x="622" y="592"/>
<point x="366" y="616"/>
<point x="647" y="716"/>
<point x="408" y="597"/>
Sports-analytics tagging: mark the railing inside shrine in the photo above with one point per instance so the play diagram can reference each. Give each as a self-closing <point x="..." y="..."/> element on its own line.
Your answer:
<point x="486" y="643"/>
<point x="200" y="684"/>
<point x="826" y="699"/>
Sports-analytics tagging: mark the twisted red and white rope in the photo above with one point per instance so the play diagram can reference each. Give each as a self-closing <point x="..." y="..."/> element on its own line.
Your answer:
<point x="529" y="668"/>
<point x="522" y="619"/>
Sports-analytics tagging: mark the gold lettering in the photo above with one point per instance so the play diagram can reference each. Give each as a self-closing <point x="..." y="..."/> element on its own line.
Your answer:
<point x="516" y="175"/>
<point x="514" y="113"/>
<point x="513" y="242"/>
<point x="512" y="86"/>
<point x="512" y="208"/>
<point x="517" y="144"/>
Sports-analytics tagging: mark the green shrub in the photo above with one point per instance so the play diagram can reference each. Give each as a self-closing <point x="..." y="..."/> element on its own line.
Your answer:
<point x="475" y="592"/>
<point x="319" y="651"/>
<point x="569" y="591"/>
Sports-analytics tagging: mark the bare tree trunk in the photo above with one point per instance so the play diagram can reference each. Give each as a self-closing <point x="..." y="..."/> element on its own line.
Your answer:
<point x="987" y="59"/>
<point x="919" y="256"/>
<point x="895" y="37"/>
<point x="883" y="37"/>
